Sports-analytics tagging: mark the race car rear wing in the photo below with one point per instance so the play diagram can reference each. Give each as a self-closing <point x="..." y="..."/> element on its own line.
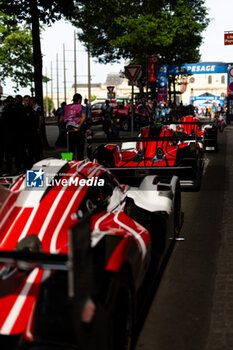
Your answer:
<point x="77" y="262"/>
<point x="145" y="139"/>
<point x="133" y="175"/>
<point x="194" y="123"/>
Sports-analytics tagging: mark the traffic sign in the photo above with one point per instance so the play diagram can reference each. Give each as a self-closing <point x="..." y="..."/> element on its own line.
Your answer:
<point x="132" y="71"/>
<point x="231" y="86"/>
<point x="231" y="71"/>
<point x="110" y="88"/>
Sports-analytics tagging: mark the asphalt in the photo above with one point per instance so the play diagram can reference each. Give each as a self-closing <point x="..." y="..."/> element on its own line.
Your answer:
<point x="193" y="305"/>
<point x="221" y="323"/>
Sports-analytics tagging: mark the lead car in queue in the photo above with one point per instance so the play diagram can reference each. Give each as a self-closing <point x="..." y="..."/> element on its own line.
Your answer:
<point x="74" y="258"/>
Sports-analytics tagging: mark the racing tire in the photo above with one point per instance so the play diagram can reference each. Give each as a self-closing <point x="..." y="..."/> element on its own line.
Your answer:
<point x="117" y="316"/>
<point x="199" y="170"/>
<point x="120" y="315"/>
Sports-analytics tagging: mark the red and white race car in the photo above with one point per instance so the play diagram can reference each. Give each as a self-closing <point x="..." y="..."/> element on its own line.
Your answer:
<point x="208" y="131"/>
<point x="157" y="150"/>
<point x="75" y="249"/>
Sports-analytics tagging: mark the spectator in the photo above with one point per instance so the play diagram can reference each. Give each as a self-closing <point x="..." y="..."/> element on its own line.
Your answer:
<point x="150" y="106"/>
<point x="59" y="114"/>
<point x="162" y="113"/>
<point x="143" y="113"/>
<point x="157" y="111"/>
<point x="88" y="114"/>
<point x="213" y="111"/>
<point x="40" y="122"/>
<point x="74" y="117"/>
<point x="32" y="137"/>
<point x="19" y="141"/>
<point x="219" y="108"/>
<point x="168" y="109"/>
<point x="12" y="124"/>
<point x="107" y="117"/>
<point x="8" y="125"/>
<point x="115" y="128"/>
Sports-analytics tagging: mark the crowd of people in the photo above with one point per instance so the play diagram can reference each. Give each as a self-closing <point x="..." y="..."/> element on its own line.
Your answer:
<point x="147" y="111"/>
<point x="21" y="123"/>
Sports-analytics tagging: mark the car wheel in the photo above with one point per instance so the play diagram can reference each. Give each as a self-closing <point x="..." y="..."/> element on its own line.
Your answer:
<point x="112" y="325"/>
<point x="121" y="317"/>
<point x="124" y="123"/>
<point x="116" y="316"/>
<point x="199" y="169"/>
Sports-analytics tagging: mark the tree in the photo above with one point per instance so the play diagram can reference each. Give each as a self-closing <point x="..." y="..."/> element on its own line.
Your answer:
<point x="134" y="29"/>
<point x="15" y="52"/>
<point x="34" y="12"/>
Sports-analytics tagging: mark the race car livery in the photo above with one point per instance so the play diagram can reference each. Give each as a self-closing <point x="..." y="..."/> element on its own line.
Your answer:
<point x="75" y="249"/>
<point x="158" y="149"/>
<point x="208" y="131"/>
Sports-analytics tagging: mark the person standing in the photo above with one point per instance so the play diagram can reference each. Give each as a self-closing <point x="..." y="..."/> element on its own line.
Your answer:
<point x="88" y="114"/>
<point x="32" y="137"/>
<point x="8" y="124"/>
<point x="74" y="117"/>
<point x="143" y="113"/>
<point x="18" y="140"/>
<point x="107" y="117"/>
<point x="59" y="115"/>
<point x="40" y="123"/>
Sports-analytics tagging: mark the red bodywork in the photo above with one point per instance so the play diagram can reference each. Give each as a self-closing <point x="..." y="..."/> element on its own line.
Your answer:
<point x="129" y="158"/>
<point x="191" y="129"/>
<point x="49" y="214"/>
<point x="120" y="110"/>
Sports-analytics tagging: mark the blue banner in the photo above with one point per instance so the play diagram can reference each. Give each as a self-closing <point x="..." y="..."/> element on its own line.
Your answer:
<point x="162" y="84"/>
<point x="196" y="68"/>
<point x="209" y="99"/>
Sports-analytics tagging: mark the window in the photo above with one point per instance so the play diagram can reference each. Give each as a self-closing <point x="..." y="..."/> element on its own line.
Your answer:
<point x="97" y="107"/>
<point x="210" y="79"/>
<point x="223" y="79"/>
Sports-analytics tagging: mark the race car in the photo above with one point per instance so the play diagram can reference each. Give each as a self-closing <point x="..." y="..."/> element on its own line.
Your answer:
<point x="157" y="150"/>
<point x="75" y="250"/>
<point x="208" y="131"/>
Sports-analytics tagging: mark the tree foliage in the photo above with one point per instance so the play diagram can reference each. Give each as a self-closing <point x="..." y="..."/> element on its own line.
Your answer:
<point x="133" y="29"/>
<point x="34" y="13"/>
<point x="48" y="11"/>
<point x="15" y="52"/>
